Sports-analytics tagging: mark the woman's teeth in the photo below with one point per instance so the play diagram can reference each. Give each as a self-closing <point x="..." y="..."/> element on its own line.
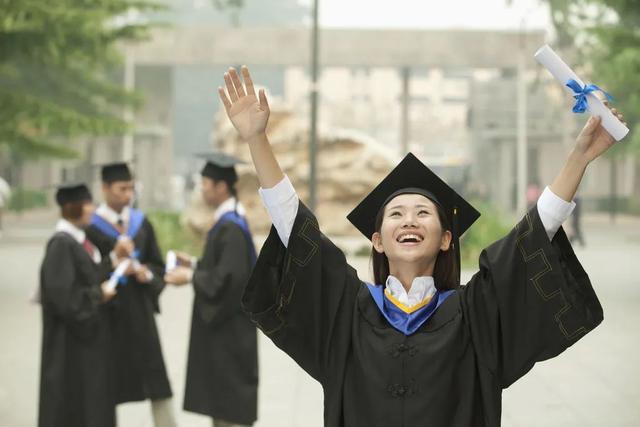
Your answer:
<point x="409" y="238"/>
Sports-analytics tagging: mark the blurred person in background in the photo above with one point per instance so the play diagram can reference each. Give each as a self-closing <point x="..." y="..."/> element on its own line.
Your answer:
<point x="576" y="223"/>
<point x="222" y="369"/>
<point x="76" y="374"/>
<point x="5" y="195"/>
<point x="122" y="232"/>
<point x="532" y="194"/>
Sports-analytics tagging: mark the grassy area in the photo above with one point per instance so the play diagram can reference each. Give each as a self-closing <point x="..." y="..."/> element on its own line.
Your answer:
<point x="623" y="205"/>
<point x="22" y="200"/>
<point x="172" y="235"/>
<point x="490" y="227"/>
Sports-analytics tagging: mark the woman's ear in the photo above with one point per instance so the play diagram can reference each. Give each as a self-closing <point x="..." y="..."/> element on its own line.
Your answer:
<point x="445" y="242"/>
<point x="376" y="239"/>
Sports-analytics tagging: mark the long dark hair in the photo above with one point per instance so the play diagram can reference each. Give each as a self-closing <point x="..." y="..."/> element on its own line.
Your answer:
<point x="445" y="271"/>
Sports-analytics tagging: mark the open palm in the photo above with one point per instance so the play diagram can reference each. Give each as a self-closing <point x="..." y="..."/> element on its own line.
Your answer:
<point x="248" y="113"/>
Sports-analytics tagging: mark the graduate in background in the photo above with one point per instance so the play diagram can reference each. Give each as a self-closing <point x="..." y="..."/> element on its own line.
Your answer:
<point x="120" y="231"/>
<point x="5" y="197"/>
<point x="576" y="224"/>
<point x="222" y="371"/>
<point x="415" y="348"/>
<point x="76" y="387"/>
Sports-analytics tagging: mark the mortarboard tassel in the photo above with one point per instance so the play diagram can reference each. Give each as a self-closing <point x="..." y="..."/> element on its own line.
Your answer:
<point x="456" y="240"/>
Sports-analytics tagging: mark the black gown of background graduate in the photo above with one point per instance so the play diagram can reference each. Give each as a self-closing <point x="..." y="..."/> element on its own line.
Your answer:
<point x="222" y="370"/>
<point x="76" y="369"/>
<point x="140" y="367"/>
<point x="530" y="300"/>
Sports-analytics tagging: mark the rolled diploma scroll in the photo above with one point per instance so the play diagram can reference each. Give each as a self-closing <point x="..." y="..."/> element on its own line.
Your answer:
<point x="172" y="261"/>
<point x="561" y="71"/>
<point x="136" y="263"/>
<point x="122" y="267"/>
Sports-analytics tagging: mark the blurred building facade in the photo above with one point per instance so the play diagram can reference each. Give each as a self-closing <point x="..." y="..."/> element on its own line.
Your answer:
<point x="551" y="131"/>
<point x="435" y="93"/>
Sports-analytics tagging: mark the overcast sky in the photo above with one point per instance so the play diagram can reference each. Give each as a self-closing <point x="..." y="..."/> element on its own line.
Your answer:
<point x="479" y="14"/>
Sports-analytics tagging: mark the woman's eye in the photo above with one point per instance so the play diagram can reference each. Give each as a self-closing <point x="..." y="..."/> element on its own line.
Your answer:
<point x="394" y="214"/>
<point x="423" y="212"/>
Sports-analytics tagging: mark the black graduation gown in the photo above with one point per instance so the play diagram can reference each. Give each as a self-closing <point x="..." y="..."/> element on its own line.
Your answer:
<point x="530" y="300"/>
<point x="140" y="368"/>
<point x="222" y="369"/>
<point x="76" y="370"/>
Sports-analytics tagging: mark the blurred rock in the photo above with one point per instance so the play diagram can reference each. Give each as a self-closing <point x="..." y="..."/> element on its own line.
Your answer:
<point x="350" y="164"/>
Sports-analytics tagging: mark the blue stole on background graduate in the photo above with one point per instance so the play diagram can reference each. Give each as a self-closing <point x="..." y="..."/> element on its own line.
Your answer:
<point x="406" y="319"/>
<point x="241" y="222"/>
<point x="136" y="219"/>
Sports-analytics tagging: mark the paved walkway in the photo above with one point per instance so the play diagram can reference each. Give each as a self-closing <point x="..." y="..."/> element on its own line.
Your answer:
<point x="594" y="383"/>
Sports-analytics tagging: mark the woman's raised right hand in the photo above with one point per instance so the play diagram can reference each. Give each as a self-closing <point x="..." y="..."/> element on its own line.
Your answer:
<point x="248" y="113"/>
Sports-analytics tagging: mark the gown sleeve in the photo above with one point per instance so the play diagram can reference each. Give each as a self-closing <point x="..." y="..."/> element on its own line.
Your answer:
<point x="530" y="300"/>
<point x="302" y="295"/>
<point x="221" y="274"/>
<point x="63" y="292"/>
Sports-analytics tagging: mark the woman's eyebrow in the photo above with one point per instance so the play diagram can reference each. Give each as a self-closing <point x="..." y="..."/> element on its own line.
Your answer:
<point x="404" y="207"/>
<point x="396" y="207"/>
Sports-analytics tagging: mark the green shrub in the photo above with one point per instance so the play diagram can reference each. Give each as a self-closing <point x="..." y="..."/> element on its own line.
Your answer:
<point x="490" y="227"/>
<point x="363" y="251"/>
<point x="22" y="199"/>
<point x="172" y="235"/>
<point x="623" y="205"/>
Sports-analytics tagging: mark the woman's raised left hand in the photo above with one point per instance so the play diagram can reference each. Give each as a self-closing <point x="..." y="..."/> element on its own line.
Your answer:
<point x="594" y="140"/>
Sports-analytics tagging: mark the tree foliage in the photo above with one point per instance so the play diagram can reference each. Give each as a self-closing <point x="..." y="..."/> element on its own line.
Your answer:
<point x="606" y="33"/>
<point x="59" y="64"/>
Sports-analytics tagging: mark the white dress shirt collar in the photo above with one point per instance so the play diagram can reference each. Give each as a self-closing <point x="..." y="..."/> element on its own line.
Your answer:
<point x="78" y="235"/>
<point x="66" y="227"/>
<point x="422" y="287"/>
<point x="112" y="216"/>
<point x="229" y="205"/>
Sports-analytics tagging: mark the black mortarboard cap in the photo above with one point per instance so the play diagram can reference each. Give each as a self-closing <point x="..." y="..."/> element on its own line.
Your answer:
<point x="220" y="166"/>
<point x="411" y="176"/>
<point x="70" y="193"/>
<point x="113" y="172"/>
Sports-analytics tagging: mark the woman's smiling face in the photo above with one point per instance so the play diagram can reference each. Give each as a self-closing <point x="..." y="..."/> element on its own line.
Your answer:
<point x="411" y="231"/>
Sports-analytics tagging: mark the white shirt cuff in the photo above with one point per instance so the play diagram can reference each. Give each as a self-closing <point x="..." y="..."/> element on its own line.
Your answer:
<point x="281" y="202"/>
<point x="553" y="211"/>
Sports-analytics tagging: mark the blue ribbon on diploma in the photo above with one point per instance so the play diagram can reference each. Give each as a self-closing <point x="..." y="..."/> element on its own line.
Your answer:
<point x="122" y="279"/>
<point x="581" y="95"/>
<point x="135" y="256"/>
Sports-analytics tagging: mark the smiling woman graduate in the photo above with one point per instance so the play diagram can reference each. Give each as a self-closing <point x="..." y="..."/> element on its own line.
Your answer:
<point x="414" y="348"/>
